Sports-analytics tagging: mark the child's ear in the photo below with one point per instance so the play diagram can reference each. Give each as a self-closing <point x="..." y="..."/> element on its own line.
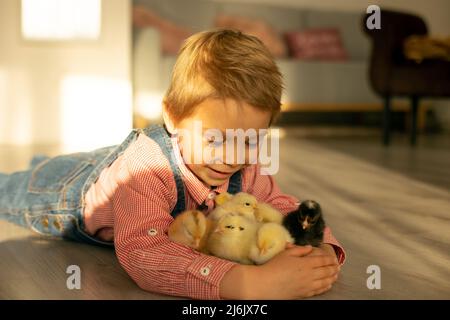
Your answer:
<point x="167" y="120"/>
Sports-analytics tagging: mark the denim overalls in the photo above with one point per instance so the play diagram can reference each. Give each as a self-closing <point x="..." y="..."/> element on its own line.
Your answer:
<point x="49" y="196"/>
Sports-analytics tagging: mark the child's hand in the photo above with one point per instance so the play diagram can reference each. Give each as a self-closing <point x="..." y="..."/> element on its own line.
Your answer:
<point x="323" y="249"/>
<point x="326" y="248"/>
<point x="297" y="272"/>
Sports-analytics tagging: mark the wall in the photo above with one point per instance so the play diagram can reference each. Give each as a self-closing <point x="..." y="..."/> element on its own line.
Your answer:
<point x="74" y="94"/>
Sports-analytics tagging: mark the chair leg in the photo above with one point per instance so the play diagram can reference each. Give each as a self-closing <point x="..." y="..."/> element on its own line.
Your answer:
<point x="414" y="107"/>
<point x="387" y="120"/>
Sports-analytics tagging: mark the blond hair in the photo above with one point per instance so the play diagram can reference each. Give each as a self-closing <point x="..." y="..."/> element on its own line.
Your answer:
<point x="223" y="64"/>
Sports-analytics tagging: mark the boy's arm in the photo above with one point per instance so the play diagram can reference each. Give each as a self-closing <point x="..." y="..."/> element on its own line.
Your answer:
<point x="265" y="189"/>
<point x="141" y="212"/>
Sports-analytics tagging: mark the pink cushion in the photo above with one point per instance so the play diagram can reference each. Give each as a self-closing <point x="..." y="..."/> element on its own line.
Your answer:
<point x="320" y="44"/>
<point x="172" y="35"/>
<point x="258" y="28"/>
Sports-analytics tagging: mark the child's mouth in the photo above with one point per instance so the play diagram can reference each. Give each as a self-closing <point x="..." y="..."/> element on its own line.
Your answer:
<point x="215" y="174"/>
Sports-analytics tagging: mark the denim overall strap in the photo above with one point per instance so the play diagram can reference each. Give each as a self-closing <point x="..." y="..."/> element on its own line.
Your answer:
<point x="160" y="135"/>
<point x="235" y="184"/>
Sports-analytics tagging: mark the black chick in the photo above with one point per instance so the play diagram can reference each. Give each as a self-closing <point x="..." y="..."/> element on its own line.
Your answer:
<point x="306" y="224"/>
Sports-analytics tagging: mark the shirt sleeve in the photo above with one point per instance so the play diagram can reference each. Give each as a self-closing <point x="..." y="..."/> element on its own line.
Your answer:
<point x="142" y="205"/>
<point x="265" y="189"/>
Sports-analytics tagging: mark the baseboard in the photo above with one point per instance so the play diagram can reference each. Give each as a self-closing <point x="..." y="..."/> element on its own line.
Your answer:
<point x="358" y="108"/>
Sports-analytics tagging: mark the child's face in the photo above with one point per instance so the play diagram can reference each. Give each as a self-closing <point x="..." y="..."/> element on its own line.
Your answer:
<point x="218" y="114"/>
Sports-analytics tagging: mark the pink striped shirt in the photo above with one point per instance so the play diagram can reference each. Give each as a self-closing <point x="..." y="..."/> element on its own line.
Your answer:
<point x="131" y="202"/>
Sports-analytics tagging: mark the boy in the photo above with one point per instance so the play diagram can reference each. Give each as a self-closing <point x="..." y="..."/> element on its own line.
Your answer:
<point x="128" y="195"/>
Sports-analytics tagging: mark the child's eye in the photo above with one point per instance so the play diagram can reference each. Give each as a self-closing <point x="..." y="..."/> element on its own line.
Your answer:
<point x="214" y="143"/>
<point x="251" y="144"/>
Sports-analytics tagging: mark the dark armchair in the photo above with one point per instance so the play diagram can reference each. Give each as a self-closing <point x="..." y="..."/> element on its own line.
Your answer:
<point x="391" y="74"/>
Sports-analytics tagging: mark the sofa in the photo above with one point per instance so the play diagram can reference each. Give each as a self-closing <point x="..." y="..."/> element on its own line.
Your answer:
<point x="311" y="85"/>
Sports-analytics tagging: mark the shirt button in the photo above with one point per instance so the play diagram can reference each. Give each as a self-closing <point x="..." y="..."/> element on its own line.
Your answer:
<point x="211" y="195"/>
<point x="204" y="271"/>
<point x="152" y="232"/>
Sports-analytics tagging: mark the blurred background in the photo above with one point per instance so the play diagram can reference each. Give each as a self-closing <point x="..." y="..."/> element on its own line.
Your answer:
<point x="78" y="75"/>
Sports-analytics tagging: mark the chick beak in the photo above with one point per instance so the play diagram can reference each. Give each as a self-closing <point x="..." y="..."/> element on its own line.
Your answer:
<point x="305" y="225"/>
<point x="262" y="248"/>
<point x="197" y="242"/>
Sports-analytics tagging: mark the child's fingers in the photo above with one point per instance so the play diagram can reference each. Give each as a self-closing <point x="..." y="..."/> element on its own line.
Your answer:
<point x="323" y="283"/>
<point x="320" y="291"/>
<point x="321" y="261"/>
<point x="321" y="252"/>
<point x="289" y="245"/>
<point x="325" y="272"/>
<point x="318" y="252"/>
<point x="299" y="250"/>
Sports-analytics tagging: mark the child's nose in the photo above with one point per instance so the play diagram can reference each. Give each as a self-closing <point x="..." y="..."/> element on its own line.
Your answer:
<point x="235" y="159"/>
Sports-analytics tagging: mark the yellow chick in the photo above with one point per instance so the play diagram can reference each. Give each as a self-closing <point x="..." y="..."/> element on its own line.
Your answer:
<point x="232" y="237"/>
<point x="271" y="239"/>
<point x="190" y="228"/>
<point x="223" y="197"/>
<point x="264" y="212"/>
<point x="242" y="204"/>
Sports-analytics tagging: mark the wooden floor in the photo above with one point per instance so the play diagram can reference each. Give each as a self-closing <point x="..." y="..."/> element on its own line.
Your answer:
<point x="389" y="207"/>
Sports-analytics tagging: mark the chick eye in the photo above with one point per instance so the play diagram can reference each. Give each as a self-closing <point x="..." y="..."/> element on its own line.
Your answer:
<point x="241" y="228"/>
<point x="229" y="227"/>
<point x="247" y="204"/>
